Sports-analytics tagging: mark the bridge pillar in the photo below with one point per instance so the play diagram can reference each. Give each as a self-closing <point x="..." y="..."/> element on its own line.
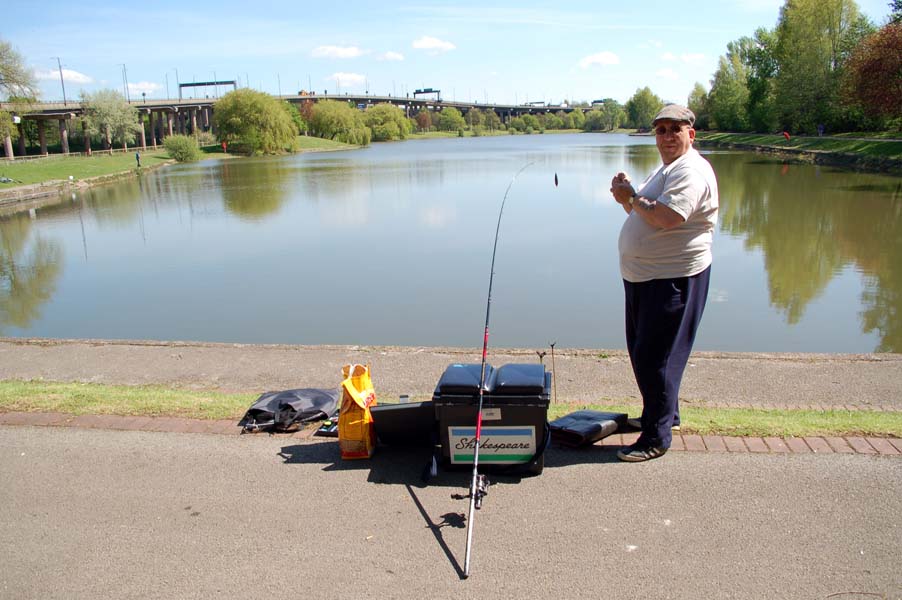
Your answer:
<point x="168" y="123"/>
<point x="22" y="139"/>
<point x="194" y="122"/>
<point x="206" y="115"/>
<point x="153" y="132"/>
<point x="64" y="136"/>
<point x="8" y="147"/>
<point x="142" y="133"/>
<point x="42" y="137"/>
<point x="87" y="136"/>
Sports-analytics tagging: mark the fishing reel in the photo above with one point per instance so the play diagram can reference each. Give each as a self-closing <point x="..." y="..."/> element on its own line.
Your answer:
<point x="481" y="484"/>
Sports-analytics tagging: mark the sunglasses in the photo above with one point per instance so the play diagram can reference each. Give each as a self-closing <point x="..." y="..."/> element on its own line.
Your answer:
<point x="663" y="130"/>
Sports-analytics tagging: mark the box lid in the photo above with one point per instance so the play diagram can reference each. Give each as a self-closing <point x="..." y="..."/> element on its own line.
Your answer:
<point x="462" y="379"/>
<point x="518" y="380"/>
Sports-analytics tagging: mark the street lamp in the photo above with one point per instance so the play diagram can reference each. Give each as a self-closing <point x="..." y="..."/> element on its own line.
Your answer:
<point x="125" y="82"/>
<point x="177" y="83"/>
<point x="62" y="83"/>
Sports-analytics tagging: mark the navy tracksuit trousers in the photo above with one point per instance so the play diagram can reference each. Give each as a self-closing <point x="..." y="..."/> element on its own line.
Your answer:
<point x="662" y="317"/>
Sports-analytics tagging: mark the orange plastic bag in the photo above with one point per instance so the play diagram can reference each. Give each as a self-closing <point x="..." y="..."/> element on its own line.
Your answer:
<point x="356" y="435"/>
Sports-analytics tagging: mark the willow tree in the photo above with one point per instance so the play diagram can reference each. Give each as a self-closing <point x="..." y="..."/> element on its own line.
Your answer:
<point x="255" y="122"/>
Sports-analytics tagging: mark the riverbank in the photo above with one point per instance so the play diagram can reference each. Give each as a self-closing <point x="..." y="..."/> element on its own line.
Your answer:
<point x="46" y="178"/>
<point x="864" y="154"/>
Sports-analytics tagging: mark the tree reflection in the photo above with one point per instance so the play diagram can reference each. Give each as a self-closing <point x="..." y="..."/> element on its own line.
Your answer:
<point x="810" y="223"/>
<point x="27" y="274"/>
<point x="254" y="188"/>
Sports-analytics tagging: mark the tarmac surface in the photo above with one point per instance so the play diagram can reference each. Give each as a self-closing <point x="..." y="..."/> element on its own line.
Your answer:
<point x="90" y="511"/>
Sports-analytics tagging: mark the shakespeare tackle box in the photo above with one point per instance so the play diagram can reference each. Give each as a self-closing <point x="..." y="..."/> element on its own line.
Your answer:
<point x="514" y="415"/>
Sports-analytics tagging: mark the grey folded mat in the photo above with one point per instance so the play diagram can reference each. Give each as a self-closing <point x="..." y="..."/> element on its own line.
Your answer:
<point x="585" y="427"/>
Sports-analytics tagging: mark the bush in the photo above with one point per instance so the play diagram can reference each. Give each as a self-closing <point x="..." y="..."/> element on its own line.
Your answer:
<point x="182" y="148"/>
<point x="206" y="138"/>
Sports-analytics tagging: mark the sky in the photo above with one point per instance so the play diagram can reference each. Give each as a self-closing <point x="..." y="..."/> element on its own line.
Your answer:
<point x="493" y="52"/>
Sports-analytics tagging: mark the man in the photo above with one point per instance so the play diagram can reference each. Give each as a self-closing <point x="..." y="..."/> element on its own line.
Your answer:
<point x="665" y="262"/>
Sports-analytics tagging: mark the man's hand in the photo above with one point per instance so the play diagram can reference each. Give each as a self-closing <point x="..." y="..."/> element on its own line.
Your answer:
<point x="622" y="190"/>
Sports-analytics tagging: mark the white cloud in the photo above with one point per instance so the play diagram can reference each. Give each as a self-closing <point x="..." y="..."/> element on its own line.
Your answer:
<point x="68" y="75"/>
<point x="147" y="87"/>
<point x="600" y="58"/>
<point x="692" y="57"/>
<point x="337" y="52"/>
<point x="346" y="80"/>
<point x="667" y="74"/>
<point x="391" y="56"/>
<point x="668" y="56"/>
<point x="434" y="45"/>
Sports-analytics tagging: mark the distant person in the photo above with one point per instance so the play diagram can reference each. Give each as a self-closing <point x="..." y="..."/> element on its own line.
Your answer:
<point x="665" y="262"/>
<point x="138" y="159"/>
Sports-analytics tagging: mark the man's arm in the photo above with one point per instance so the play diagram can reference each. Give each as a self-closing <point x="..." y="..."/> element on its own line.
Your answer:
<point x="652" y="212"/>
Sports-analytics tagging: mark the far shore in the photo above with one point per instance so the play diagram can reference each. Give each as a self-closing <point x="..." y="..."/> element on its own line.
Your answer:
<point x="865" y="154"/>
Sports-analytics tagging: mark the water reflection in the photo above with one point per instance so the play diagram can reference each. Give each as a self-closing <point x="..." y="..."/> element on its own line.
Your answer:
<point x="254" y="188"/>
<point x="29" y="268"/>
<point x="390" y="245"/>
<point x="811" y="223"/>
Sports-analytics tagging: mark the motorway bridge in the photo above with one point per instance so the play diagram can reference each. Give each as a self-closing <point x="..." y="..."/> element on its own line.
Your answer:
<point x="170" y="116"/>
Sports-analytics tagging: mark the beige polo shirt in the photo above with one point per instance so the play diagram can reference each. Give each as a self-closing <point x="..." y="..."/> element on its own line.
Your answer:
<point x="689" y="187"/>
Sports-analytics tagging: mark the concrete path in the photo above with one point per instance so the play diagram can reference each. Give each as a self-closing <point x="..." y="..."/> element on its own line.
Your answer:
<point x="115" y="514"/>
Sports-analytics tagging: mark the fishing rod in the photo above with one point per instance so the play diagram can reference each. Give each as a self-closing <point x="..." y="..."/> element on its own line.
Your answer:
<point x="479" y="484"/>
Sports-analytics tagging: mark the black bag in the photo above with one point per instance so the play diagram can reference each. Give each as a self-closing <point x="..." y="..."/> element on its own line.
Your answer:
<point x="286" y="411"/>
<point x="585" y="427"/>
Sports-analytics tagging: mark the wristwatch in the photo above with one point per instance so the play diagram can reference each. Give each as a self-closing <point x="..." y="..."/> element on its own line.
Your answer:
<point x="633" y="198"/>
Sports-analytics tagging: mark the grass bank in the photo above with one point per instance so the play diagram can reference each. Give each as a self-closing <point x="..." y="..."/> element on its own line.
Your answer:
<point x="82" y="398"/>
<point x="99" y="164"/>
<point x="864" y="153"/>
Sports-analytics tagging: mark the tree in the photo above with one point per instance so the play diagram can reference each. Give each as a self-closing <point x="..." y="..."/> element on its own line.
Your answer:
<point x="339" y="121"/>
<point x="612" y="114"/>
<point x="297" y="118"/>
<point x="492" y="120"/>
<point x="895" y="16"/>
<point x="594" y="121"/>
<point x="107" y="114"/>
<point x="473" y="118"/>
<point x="255" y="121"/>
<point x="760" y="59"/>
<point x="424" y="120"/>
<point x="728" y="99"/>
<point x="577" y="119"/>
<point x="531" y="123"/>
<point x="812" y="41"/>
<point x="387" y="122"/>
<point x="553" y="121"/>
<point x="874" y="73"/>
<point x="15" y="78"/>
<point x="451" y="119"/>
<point x="642" y="108"/>
<point x="698" y="104"/>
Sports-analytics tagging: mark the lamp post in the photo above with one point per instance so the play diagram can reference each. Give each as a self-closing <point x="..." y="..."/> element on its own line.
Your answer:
<point x="177" y="82"/>
<point x="125" y="83"/>
<point x="62" y="83"/>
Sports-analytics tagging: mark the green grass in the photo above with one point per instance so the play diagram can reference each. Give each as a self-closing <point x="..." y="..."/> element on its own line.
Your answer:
<point x="89" y="398"/>
<point x="96" y="399"/>
<point x="884" y="148"/>
<point x="51" y="168"/>
<point x="309" y="142"/>
<point x="40" y="170"/>
<point x="766" y="422"/>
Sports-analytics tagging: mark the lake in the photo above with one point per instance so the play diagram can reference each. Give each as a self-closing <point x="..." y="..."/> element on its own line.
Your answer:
<point x="392" y="244"/>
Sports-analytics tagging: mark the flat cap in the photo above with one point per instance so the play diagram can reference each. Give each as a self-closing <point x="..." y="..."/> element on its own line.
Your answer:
<point x="675" y="112"/>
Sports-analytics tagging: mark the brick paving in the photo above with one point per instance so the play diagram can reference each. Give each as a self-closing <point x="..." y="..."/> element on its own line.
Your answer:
<point x="681" y="442"/>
